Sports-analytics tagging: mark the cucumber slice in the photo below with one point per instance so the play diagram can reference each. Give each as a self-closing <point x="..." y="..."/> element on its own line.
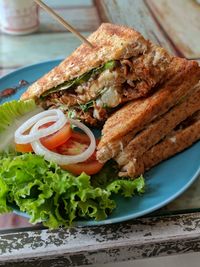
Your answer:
<point x="12" y="115"/>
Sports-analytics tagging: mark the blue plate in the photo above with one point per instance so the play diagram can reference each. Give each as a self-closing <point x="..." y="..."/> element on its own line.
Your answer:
<point x="164" y="182"/>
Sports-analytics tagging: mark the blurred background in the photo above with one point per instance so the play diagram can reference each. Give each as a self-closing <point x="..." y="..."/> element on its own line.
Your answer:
<point x="173" y="24"/>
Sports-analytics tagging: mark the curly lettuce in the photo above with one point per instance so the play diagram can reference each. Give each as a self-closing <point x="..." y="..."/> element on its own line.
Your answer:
<point x="56" y="197"/>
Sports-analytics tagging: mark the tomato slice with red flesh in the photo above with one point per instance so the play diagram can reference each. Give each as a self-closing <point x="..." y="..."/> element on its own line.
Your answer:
<point x="68" y="142"/>
<point x="51" y="141"/>
<point x="71" y="147"/>
<point x="58" y="138"/>
<point x="80" y="137"/>
<point x="89" y="168"/>
<point x="77" y="144"/>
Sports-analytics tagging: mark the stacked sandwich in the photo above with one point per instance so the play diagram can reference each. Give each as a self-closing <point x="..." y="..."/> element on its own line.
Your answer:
<point x="147" y="101"/>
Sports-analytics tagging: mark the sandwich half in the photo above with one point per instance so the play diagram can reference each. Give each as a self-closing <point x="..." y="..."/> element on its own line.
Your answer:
<point x="122" y="126"/>
<point x="92" y="82"/>
<point x="163" y="137"/>
<point x="143" y="126"/>
<point x="160" y="127"/>
<point x="183" y="136"/>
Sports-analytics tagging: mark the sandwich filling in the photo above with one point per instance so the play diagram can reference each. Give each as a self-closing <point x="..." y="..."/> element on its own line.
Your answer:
<point x="92" y="96"/>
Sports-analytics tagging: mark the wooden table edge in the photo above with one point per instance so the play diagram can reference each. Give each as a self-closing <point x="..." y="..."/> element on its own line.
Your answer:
<point x="140" y="238"/>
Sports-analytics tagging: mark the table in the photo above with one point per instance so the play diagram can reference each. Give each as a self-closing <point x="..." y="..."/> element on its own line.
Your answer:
<point x="174" y="229"/>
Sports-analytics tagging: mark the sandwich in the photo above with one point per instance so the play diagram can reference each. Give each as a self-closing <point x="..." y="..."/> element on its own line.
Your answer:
<point x="146" y="102"/>
<point x="135" y="133"/>
<point x="93" y="82"/>
<point x="136" y="115"/>
<point x="160" y="127"/>
<point x="183" y="136"/>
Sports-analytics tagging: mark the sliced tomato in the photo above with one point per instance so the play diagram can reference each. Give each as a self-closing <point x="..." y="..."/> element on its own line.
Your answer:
<point x="51" y="141"/>
<point x="89" y="168"/>
<point x="58" y="138"/>
<point x="80" y="137"/>
<point x="23" y="148"/>
<point x="68" y="142"/>
<point x="71" y="147"/>
<point x="77" y="144"/>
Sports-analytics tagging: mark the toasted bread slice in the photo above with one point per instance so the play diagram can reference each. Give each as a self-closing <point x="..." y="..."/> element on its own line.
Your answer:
<point x="111" y="42"/>
<point x="160" y="127"/>
<point x="176" y="142"/>
<point x="125" y="123"/>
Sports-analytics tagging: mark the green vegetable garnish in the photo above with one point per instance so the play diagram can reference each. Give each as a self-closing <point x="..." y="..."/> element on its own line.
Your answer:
<point x="12" y="114"/>
<point x="12" y="110"/>
<point x="81" y="79"/>
<point x="55" y="197"/>
<point x="85" y="107"/>
<point x="109" y="65"/>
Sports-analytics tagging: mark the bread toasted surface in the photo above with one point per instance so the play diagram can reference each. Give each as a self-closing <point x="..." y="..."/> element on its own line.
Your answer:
<point x="160" y="127"/>
<point x="176" y="142"/>
<point x="111" y="42"/>
<point x="120" y="128"/>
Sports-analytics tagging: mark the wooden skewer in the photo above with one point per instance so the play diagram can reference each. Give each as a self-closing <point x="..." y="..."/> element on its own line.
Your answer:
<point x="63" y="22"/>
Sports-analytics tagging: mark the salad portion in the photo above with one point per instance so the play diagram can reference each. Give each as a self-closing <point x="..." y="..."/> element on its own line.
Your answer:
<point x="48" y="168"/>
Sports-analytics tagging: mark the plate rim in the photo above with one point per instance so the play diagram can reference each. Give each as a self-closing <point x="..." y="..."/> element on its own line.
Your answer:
<point x="29" y="66"/>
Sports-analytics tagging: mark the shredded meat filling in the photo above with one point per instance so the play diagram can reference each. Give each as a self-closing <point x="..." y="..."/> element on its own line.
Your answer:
<point x="91" y="89"/>
<point x="94" y="116"/>
<point x="130" y="79"/>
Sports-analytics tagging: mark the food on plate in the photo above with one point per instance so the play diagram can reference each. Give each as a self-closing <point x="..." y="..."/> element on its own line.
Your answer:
<point x="49" y="170"/>
<point x="42" y="130"/>
<point x="145" y="101"/>
<point x="137" y="114"/>
<point x="133" y="88"/>
<point x="92" y="82"/>
<point x="56" y="197"/>
<point x="183" y="136"/>
<point x="147" y="121"/>
<point x="160" y="127"/>
<point x="127" y="81"/>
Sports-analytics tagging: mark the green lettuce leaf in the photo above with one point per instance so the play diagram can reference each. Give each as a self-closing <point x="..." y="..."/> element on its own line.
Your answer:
<point x="56" y="197"/>
<point x="85" y="107"/>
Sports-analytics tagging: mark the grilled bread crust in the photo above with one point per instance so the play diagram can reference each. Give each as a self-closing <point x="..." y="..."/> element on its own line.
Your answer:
<point x="160" y="128"/>
<point x="120" y="127"/>
<point x="171" y="145"/>
<point x="111" y="42"/>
